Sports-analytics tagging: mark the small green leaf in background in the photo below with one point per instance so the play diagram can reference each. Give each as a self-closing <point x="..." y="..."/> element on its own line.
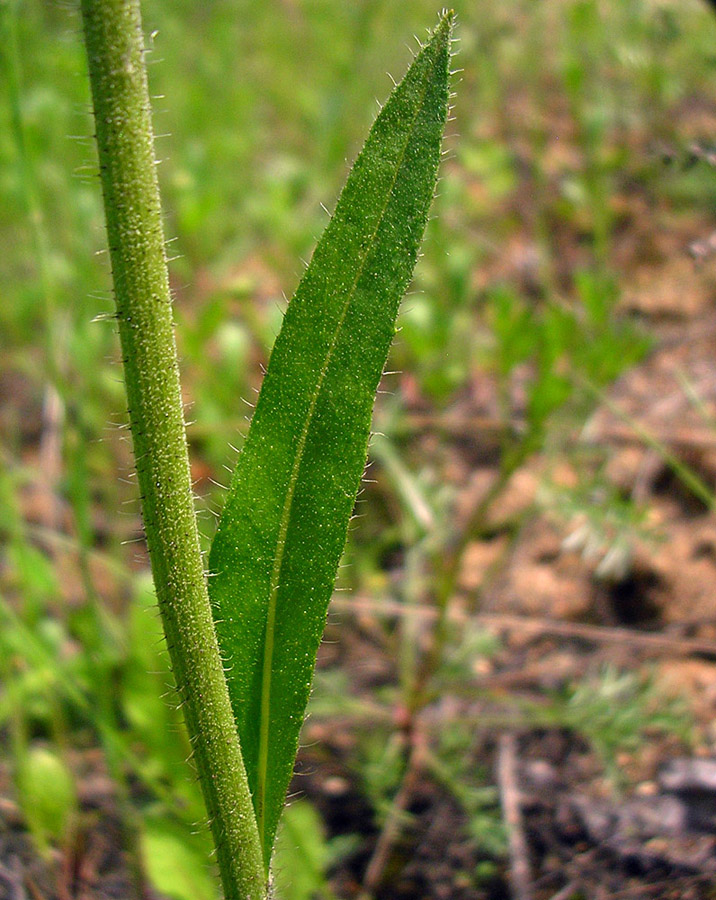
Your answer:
<point x="303" y="855"/>
<point x="282" y="533"/>
<point x="47" y="797"/>
<point x="173" y="864"/>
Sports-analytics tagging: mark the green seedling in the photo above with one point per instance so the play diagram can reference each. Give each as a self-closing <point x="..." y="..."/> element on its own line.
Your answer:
<point x="243" y="650"/>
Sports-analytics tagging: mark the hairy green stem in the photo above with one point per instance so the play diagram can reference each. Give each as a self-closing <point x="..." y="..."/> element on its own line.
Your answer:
<point x="114" y="42"/>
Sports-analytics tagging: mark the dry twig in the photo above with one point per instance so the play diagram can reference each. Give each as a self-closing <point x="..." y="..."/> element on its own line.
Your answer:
<point x="539" y="626"/>
<point x="520" y="877"/>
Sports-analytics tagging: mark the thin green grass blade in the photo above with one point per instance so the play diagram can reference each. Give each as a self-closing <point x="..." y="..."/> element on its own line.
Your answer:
<point x="274" y="558"/>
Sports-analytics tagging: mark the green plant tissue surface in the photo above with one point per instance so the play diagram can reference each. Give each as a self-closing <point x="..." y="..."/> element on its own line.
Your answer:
<point x="274" y="558"/>
<point x="173" y="865"/>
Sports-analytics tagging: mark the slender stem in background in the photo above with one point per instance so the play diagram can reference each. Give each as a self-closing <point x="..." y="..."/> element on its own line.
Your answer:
<point x="447" y="563"/>
<point x="114" y="42"/>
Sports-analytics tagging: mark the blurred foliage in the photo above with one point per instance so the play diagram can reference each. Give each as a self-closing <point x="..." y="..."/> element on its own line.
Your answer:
<point x="173" y="865"/>
<point x="603" y="524"/>
<point x="47" y="795"/>
<point x="303" y="855"/>
<point x="564" y="114"/>
<point x="617" y="712"/>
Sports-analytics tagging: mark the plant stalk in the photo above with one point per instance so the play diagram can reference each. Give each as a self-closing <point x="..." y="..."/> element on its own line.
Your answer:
<point x="115" y="52"/>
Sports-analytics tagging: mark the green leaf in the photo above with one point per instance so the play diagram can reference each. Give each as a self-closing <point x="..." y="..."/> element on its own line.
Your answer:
<point x="47" y="795"/>
<point x="175" y="863"/>
<point x="302" y="855"/>
<point x="274" y="558"/>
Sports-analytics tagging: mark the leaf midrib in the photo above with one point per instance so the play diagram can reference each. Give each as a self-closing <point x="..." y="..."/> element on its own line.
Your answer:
<point x="288" y="503"/>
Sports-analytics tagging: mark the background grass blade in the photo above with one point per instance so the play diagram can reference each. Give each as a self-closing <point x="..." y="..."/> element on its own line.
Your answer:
<point x="283" y="530"/>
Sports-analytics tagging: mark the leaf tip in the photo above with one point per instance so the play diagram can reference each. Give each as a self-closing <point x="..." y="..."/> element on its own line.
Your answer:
<point x="447" y="19"/>
<point x="442" y="34"/>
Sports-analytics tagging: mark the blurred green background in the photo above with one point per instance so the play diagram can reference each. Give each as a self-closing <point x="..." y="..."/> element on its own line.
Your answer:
<point x="570" y="151"/>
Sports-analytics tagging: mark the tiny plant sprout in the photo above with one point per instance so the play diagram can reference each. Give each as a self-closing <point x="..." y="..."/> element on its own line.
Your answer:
<point x="243" y="642"/>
